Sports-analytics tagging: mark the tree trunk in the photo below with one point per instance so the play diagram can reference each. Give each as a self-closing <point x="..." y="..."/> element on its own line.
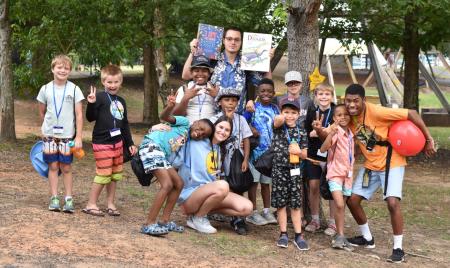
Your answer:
<point x="302" y="36"/>
<point x="160" y="54"/>
<point x="150" y="113"/>
<point x="411" y="55"/>
<point x="7" y="126"/>
<point x="279" y="52"/>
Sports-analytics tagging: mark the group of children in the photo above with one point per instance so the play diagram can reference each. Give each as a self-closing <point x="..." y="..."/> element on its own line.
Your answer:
<point x="292" y="126"/>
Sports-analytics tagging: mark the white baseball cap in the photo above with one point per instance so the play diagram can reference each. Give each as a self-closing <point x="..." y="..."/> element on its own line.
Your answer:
<point x="293" y="76"/>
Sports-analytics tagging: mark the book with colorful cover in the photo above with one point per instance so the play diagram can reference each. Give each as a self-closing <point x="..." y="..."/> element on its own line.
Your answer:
<point x="255" y="52"/>
<point x="209" y="40"/>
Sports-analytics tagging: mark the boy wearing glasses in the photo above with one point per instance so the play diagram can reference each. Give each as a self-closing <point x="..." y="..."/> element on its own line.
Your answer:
<point x="228" y="74"/>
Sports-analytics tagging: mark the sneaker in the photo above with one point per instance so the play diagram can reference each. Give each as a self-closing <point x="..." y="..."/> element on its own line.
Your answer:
<point x="54" y="204"/>
<point x="68" y="206"/>
<point x="312" y="227"/>
<point x="201" y="224"/>
<point x="283" y="241"/>
<point x="361" y="241"/>
<point x="269" y="217"/>
<point x="301" y="243"/>
<point x="331" y="229"/>
<point x="340" y="242"/>
<point x="256" y="219"/>
<point x="239" y="226"/>
<point x="398" y="256"/>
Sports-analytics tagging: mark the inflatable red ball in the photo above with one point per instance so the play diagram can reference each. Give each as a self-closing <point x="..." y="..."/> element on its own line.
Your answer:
<point x="406" y="138"/>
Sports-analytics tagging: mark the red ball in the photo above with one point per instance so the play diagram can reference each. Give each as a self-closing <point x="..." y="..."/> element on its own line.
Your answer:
<point x="406" y="138"/>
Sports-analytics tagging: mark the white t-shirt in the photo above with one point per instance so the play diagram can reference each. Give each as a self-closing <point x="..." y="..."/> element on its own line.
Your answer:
<point x="199" y="107"/>
<point x="64" y="106"/>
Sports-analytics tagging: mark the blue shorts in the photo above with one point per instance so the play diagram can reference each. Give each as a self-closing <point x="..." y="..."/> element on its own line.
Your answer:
<point x="335" y="186"/>
<point x="376" y="180"/>
<point x="258" y="177"/>
<point x="57" y="150"/>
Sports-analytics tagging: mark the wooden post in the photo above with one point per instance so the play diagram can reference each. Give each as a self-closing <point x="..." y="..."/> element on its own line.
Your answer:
<point x="434" y="86"/>
<point x="376" y="70"/>
<point x="331" y="78"/>
<point x="350" y="69"/>
<point x="368" y="79"/>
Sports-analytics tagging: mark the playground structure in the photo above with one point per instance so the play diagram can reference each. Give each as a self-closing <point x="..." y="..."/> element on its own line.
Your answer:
<point x="390" y="89"/>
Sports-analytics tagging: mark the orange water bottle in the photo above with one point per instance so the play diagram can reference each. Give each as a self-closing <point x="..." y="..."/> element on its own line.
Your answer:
<point x="78" y="153"/>
<point x="293" y="158"/>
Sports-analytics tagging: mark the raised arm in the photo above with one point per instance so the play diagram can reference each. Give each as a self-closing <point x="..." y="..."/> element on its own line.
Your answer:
<point x="186" y="75"/>
<point x="166" y="114"/>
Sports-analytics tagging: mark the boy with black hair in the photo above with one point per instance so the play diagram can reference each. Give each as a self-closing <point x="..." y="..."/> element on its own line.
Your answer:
<point x="290" y="143"/>
<point x="384" y="167"/>
<point x="261" y="123"/>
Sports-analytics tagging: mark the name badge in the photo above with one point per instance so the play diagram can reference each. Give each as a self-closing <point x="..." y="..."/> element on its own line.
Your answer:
<point x="350" y="174"/>
<point x="324" y="154"/>
<point x="295" y="172"/>
<point x="115" y="132"/>
<point x="58" y="130"/>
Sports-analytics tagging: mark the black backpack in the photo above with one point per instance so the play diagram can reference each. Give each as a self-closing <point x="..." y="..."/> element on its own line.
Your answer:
<point x="138" y="170"/>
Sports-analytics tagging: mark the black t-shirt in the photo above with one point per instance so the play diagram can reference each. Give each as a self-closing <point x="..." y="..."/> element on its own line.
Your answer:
<point x="109" y="112"/>
<point x="315" y="143"/>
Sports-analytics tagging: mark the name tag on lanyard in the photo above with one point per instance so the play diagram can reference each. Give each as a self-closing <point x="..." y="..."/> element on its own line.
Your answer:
<point x="58" y="130"/>
<point x="115" y="132"/>
<point x="295" y="172"/>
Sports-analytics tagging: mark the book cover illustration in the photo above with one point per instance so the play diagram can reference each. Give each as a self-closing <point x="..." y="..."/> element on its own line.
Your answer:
<point x="255" y="52"/>
<point x="209" y="40"/>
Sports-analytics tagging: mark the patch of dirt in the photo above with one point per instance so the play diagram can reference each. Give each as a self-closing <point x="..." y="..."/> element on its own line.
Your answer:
<point x="32" y="236"/>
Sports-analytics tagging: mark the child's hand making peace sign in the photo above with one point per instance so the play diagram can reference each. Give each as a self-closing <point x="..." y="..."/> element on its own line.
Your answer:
<point x="92" y="98"/>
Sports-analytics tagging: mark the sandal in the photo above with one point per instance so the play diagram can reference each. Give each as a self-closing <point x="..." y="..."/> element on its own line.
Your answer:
<point x="93" y="211"/>
<point x="154" y="229"/>
<point x="112" y="212"/>
<point x="172" y="227"/>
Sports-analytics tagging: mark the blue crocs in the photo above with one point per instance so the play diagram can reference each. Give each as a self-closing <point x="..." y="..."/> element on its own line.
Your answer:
<point x="154" y="229"/>
<point x="172" y="227"/>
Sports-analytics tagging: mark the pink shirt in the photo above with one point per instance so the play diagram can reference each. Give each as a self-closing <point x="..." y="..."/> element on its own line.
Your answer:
<point x="341" y="157"/>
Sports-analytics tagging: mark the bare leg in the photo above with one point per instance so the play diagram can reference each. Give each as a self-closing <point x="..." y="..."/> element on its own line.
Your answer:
<point x="296" y="216"/>
<point x="314" y="196"/>
<point x="53" y="169"/>
<point x="354" y="204"/>
<point x="339" y="213"/>
<point x="396" y="215"/>
<point x="178" y="184"/>
<point x="66" y="170"/>
<point x="166" y="187"/>
<point x="282" y="219"/>
<point x="265" y="193"/>
<point x="252" y="194"/>
<point x="111" y="194"/>
<point x="234" y="205"/>
<point x="332" y="206"/>
<point x="93" y="195"/>
<point x="206" y="198"/>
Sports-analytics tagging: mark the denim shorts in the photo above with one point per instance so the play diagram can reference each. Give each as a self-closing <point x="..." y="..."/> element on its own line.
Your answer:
<point x="376" y="180"/>
<point x="258" y="177"/>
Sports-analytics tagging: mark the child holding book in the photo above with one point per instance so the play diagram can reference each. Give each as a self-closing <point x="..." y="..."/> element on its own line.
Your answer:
<point x="341" y="147"/>
<point x="154" y="151"/>
<point x="261" y="123"/>
<point x="61" y="112"/>
<point x="290" y="144"/>
<point x="111" y="133"/>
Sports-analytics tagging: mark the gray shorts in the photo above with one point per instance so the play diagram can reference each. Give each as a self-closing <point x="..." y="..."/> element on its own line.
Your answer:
<point x="258" y="177"/>
<point x="376" y="180"/>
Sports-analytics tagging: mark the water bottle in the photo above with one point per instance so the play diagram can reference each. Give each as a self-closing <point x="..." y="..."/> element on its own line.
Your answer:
<point x="293" y="158"/>
<point x="78" y="153"/>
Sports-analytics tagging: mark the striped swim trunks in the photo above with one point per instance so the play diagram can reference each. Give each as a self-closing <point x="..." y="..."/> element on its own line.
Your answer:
<point x="108" y="162"/>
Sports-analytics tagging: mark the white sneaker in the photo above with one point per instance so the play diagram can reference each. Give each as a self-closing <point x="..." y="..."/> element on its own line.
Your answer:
<point x="201" y="224"/>
<point x="256" y="219"/>
<point x="331" y="229"/>
<point x="270" y="218"/>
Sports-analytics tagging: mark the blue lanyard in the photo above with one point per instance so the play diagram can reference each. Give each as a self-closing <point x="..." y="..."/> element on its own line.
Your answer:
<point x="289" y="137"/>
<point x="62" y="101"/>
<point x="115" y="103"/>
<point x="326" y="123"/>
<point x="350" y="143"/>
<point x="200" y="103"/>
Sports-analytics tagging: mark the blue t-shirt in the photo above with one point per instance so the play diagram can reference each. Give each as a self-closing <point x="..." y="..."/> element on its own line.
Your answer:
<point x="170" y="141"/>
<point x="200" y="163"/>
<point x="262" y="120"/>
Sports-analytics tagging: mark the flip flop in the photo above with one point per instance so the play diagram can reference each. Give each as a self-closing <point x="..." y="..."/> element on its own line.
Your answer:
<point x="112" y="212"/>
<point x="93" y="212"/>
